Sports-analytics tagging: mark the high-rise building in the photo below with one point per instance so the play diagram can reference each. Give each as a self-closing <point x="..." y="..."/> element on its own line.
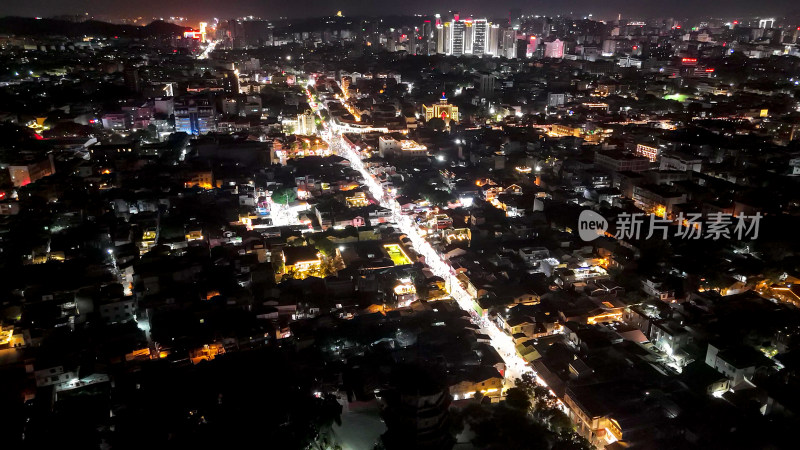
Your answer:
<point x="521" y="49"/>
<point x="232" y="31"/>
<point x="470" y="37"/>
<point x="428" y="39"/>
<point x="458" y="30"/>
<point x="508" y="43"/>
<point x="412" y="41"/>
<point x="443" y="38"/>
<point x="480" y="38"/>
<point x="493" y="39"/>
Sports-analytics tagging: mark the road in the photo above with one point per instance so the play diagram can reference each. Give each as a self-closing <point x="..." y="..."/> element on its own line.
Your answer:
<point x="208" y="50"/>
<point x="502" y="342"/>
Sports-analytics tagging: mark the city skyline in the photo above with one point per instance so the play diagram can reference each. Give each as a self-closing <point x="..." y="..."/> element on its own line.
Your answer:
<point x="318" y="8"/>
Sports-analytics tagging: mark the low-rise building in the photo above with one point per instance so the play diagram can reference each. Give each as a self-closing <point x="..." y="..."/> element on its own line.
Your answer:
<point x="618" y="161"/>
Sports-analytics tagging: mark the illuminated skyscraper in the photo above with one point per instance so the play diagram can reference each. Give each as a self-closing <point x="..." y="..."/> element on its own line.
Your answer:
<point x="480" y="35"/>
<point x="443" y="38"/>
<point x="493" y="39"/>
<point x="458" y="29"/>
<point x="469" y="37"/>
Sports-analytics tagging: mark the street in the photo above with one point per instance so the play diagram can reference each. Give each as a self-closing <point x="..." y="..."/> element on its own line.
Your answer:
<point x="515" y="365"/>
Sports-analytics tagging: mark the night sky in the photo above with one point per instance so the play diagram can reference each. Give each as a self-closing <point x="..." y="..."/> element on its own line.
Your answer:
<point x="305" y="8"/>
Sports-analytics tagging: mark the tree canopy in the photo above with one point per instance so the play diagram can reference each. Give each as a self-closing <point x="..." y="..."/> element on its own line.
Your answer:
<point x="284" y="195"/>
<point x="437" y="124"/>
